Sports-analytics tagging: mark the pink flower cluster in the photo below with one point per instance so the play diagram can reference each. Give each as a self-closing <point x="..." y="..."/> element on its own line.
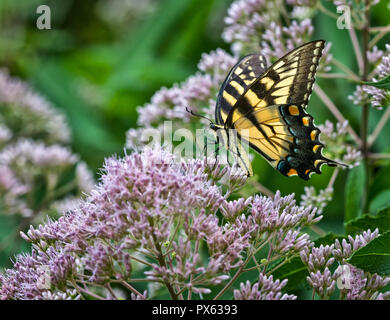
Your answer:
<point x="153" y="214"/>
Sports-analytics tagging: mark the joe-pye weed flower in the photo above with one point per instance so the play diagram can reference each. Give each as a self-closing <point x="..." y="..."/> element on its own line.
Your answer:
<point x="158" y="217"/>
<point x="39" y="174"/>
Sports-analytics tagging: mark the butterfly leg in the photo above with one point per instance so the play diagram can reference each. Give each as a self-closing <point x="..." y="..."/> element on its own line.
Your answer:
<point x="215" y="154"/>
<point x="228" y="159"/>
<point x="241" y="156"/>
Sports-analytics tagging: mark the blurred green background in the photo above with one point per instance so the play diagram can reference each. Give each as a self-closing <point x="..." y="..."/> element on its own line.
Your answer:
<point x="102" y="59"/>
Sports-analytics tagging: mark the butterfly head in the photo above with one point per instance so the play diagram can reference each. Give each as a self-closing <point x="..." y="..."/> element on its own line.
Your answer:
<point x="215" y="127"/>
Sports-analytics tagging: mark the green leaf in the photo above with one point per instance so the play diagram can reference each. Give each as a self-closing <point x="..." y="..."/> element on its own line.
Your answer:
<point x="379" y="182"/>
<point x="327" y="239"/>
<point x="380" y="221"/>
<point x="91" y="137"/>
<point x="354" y="192"/>
<point x="10" y="241"/>
<point x="382" y="84"/>
<point x="295" y="271"/>
<point x="374" y="257"/>
<point x="380" y="202"/>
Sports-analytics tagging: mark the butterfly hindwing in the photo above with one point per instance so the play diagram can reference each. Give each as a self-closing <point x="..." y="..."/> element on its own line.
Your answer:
<point x="266" y="133"/>
<point x="286" y="137"/>
<point x="243" y="74"/>
<point x="306" y="152"/>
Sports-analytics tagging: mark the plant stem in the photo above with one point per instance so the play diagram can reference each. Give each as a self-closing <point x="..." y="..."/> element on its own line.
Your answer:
<point x="344" y="68"/>
<point x="279" y="265"/>
<point x="240" y="270"/>
<point x="378" y="156"/>
<point x="335" y="111"/>
<point x="162" y="263"/>
<point x="108" y="287"/>
<point x="131" y="288"/>
<point x="262" y="188"/>
<point x="379" y="127"/>
<point x="78" y="288"/>
<point x="379" y="36"/>
<point x="142" y="261"/>
<point x="228" y="285"/>
<point x="335" y="76"/>
<point x="365" y="110"/>
<point x="333" y="178"/>
<point x="317" y="230"/>
<point x="174" y="235"/>
<point x="270" y="251"/>
<point x="264" y="264"/>
<point x="380" y="29"/>
<point x="326" y="11"/>
<point x="357" y="50"/>
<point x="74" y="284"/>
<point x="192" y="278"/>
<point x="179" y="291"/>
<point x="138" y="280"/>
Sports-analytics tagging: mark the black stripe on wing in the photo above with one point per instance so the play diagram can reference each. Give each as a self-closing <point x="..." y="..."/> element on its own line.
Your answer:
<point x="289" y="80"/>
<point x="243" y="74"/>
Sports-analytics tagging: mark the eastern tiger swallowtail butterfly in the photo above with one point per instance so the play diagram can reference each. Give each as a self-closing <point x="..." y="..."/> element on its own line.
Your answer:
<point x="270" y="104"/>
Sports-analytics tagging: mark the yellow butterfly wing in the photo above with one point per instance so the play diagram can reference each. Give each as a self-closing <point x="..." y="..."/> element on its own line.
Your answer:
<point x="286" y="137"/>
<point x="289" y="80"/>
<point x="242" y="75"/>
<point x="268" y="112"/>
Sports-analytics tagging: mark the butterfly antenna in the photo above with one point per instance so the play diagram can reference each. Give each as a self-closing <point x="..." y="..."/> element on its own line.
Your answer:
<point x="197" y="115"/>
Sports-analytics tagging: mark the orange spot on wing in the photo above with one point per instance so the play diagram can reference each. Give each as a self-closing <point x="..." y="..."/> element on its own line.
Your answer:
<point x="306" y="121"/>
<point x="313" y="135"/>
<point x="292" y="172"/>
<point x="293" y="110"/>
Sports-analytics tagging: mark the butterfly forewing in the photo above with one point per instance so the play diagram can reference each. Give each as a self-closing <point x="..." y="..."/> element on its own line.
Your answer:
<point x="288" y="80"/>
<point x="242" y="75"/>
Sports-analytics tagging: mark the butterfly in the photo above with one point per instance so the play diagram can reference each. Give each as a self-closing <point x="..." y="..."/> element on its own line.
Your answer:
<point x="269" y="106"/>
